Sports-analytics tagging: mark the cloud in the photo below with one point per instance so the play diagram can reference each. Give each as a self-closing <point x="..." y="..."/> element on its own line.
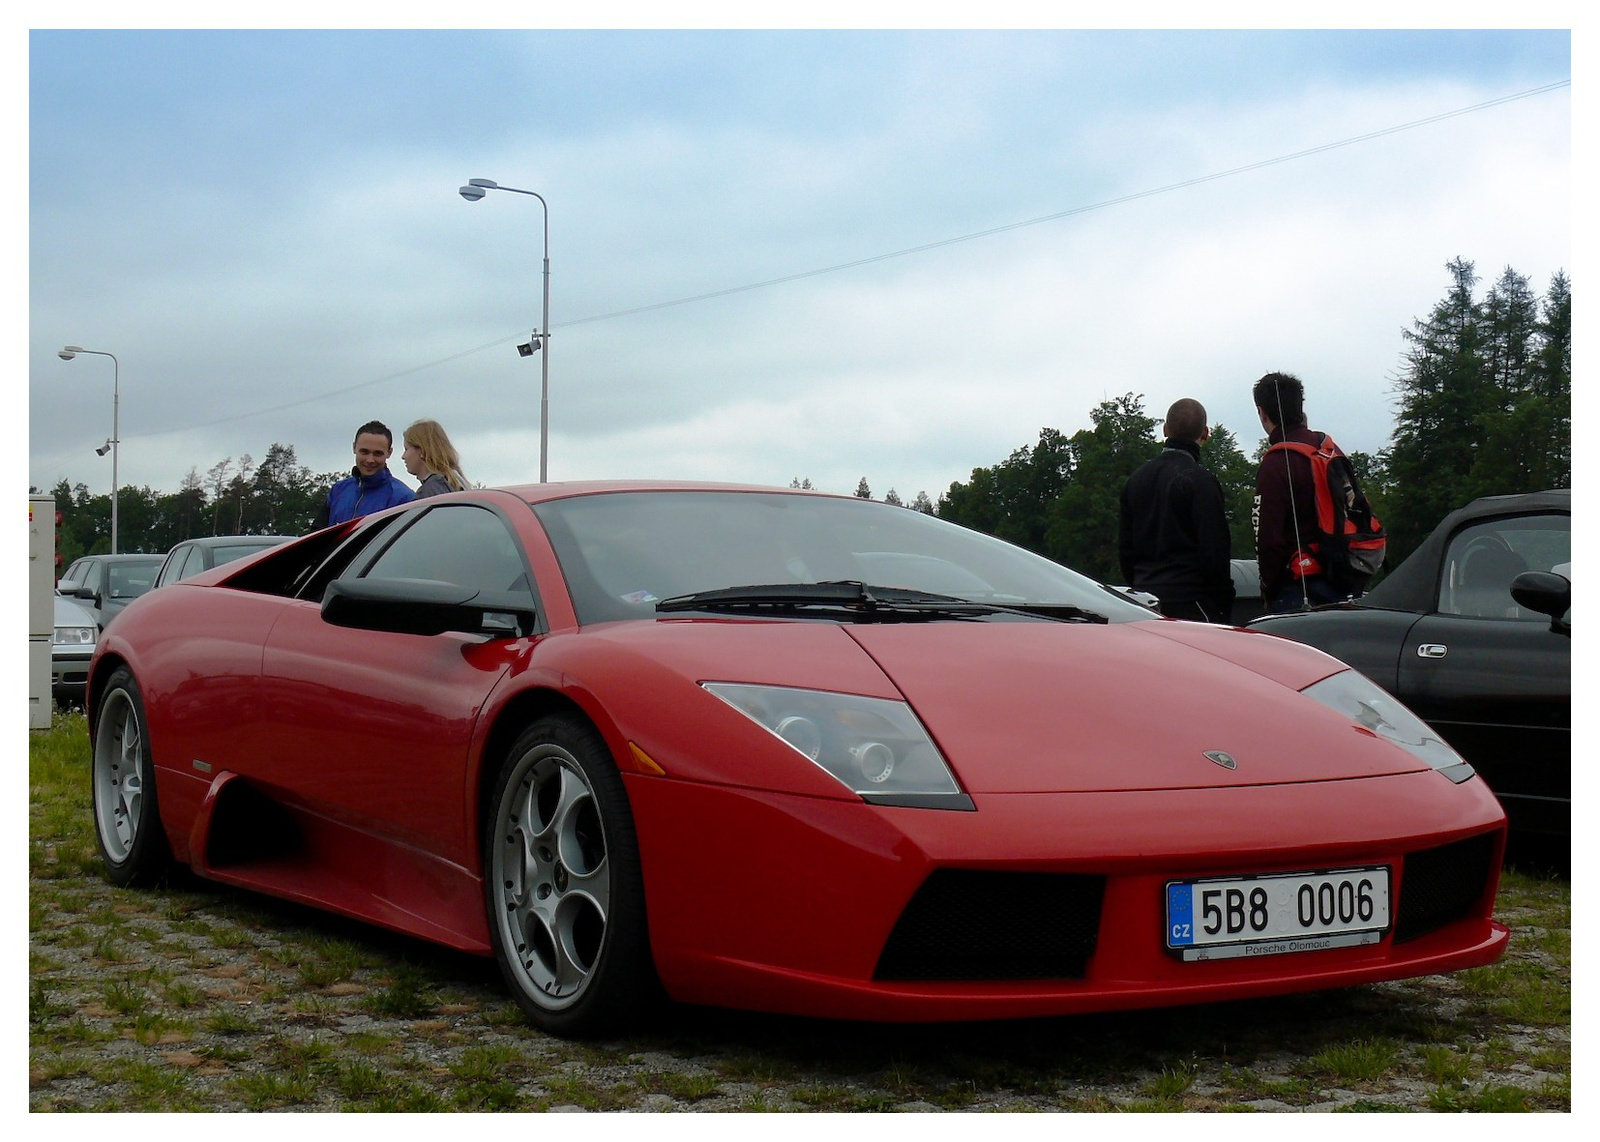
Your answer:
<point x="335" y="275"/>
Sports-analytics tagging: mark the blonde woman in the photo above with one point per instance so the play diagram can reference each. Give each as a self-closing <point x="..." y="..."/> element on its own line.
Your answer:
<point x="430" y="457"/>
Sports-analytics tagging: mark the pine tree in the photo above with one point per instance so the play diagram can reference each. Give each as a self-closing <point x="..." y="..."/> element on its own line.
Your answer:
<point x="1485" y="405"/>
<point x="1444" y="397"/>
<point x="1510" y="318"/>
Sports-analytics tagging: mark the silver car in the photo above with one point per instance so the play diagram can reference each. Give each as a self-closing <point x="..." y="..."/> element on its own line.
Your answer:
<point x="71" y="647"/>
<point x="106" y="583"/>
<point x="193" y="556"/>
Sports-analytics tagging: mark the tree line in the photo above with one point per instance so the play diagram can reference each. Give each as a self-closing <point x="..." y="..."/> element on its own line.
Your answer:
<point x="278" y="496"/>
<point x="1483" y="398"/>
<point x="1483" y="407"/>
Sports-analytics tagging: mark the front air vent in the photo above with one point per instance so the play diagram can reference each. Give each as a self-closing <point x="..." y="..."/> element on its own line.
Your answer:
<point x="973" y="924"/>
<point x="1443" y="885"/>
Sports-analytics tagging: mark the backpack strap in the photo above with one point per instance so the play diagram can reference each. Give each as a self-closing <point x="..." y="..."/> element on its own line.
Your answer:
<point x="1319" y="458"/>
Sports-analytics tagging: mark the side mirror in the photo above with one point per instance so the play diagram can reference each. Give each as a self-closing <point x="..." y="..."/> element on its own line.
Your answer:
<point x="1545" y="593"/>
<point x="425" y="607"/>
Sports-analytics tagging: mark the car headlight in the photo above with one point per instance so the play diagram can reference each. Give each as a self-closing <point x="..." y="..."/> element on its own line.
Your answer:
<point x="874" y="747"/>
<point x="74" y="636"/>
<point x="1370" y="706"/>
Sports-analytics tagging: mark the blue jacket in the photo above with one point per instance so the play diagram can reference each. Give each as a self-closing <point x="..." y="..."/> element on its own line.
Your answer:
<point x="358" y="495"/>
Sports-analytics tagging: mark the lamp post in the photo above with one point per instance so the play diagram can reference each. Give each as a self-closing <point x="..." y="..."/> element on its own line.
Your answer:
<point x="472" y="192"/>
<point x="67" y="354"/>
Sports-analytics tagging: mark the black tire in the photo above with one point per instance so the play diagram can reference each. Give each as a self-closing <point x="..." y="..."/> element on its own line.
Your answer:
<point x="563" y="885"/>
<point x="127" y="816"/>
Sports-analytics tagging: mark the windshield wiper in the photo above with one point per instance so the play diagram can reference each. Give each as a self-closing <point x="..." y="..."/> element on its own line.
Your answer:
<point x="860" y="601"/>
<point x="840" y="594"/>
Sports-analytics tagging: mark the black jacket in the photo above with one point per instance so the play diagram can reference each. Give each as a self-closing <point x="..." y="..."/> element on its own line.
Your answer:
<point x="1173" y="537"/>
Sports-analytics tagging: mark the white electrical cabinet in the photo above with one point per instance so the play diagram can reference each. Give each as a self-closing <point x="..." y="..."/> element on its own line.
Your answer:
<point x="41" y="607"/>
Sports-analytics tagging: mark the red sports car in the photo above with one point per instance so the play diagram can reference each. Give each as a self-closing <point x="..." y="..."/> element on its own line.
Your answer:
<point x="783" y="751"/>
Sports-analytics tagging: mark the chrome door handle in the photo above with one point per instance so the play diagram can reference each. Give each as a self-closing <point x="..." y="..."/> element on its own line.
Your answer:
<point x="1432" y="650"/>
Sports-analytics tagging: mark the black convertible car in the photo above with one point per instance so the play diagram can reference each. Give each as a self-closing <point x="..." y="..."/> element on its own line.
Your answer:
<point x="1473" y="633"/>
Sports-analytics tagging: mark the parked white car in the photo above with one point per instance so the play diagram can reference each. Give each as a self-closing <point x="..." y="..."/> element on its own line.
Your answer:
<point x="71" y="647"/>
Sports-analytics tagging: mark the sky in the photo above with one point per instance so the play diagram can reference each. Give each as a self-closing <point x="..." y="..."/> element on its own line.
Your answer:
<point x="774" y="255"/>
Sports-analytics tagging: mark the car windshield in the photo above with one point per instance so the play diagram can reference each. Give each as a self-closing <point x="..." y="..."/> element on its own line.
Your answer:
<point x="228" y="552"/>
<point x="130" y="580"/>
<point x="623" y="552"/>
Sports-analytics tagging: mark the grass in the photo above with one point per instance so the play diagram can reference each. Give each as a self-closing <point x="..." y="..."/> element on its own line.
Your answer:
<point x="1355" y="1062"/>
<point x="193" y="996"/>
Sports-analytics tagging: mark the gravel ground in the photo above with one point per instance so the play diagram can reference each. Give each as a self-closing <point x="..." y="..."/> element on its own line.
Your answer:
<point x="197" y="997"/>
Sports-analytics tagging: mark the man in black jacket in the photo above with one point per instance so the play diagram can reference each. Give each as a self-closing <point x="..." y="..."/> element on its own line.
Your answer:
<point x="1173" y="537"/>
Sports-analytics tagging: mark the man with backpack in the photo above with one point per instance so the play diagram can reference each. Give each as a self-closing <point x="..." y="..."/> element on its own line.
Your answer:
<point x="1317" y="540"/>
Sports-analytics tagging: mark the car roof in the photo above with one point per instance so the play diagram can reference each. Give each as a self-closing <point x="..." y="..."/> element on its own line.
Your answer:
<point x="231" y="540"/>
<point x="1412" y="586"/>
<point x="538" y="493"/>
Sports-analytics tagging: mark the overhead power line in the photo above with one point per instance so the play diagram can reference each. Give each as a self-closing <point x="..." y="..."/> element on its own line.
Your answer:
<point x="1076" y="210"/>
<point x="840" y="267"/>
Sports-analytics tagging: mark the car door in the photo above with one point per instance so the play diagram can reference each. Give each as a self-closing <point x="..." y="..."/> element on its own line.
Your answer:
<point x="1493" y="679"/>
<point x="90" y="575"/>
<point x="373" y="727"/>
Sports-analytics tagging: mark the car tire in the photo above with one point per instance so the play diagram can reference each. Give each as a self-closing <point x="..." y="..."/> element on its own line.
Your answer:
<point x="127" y="816"/>
<point x="562" y="879"/>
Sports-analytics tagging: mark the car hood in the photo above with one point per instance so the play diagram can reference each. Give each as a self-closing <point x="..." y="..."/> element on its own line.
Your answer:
<point x="1027" y="707"/>
<point x="70" y="614"/>
<point x="1040" y="707"/>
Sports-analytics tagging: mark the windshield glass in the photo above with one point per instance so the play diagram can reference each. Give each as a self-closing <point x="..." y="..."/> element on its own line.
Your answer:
<point x="227" y="553"/>
<point x="622" y="552"/>
<point x="130" y="580"/>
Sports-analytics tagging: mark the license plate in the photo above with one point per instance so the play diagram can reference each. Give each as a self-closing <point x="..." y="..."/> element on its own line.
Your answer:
<point x="1225" y="917"/>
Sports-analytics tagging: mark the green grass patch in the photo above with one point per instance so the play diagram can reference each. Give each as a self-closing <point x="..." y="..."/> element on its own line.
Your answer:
<point x="1488" y="1099"/>
<point x="406" y="995"/>
<point x="1170" y="1084"/>
<point x="152" y="1087"/>
<point x="272" y="1091"/>
<point x="1355" y="1061"/>
<point x="230" y="1021"/>
<point x="1445" y="1066"/>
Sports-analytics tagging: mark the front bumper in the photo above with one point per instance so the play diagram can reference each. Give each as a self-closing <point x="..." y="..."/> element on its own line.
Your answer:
<point x="782" y="903"/>
<point x="69" y="676"/>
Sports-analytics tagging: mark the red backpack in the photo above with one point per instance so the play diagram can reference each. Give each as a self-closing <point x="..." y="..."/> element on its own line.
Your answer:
<point x="1350" y="541"/>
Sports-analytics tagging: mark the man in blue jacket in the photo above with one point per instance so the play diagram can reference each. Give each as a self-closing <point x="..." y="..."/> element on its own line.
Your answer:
<point x="369" y="487"/>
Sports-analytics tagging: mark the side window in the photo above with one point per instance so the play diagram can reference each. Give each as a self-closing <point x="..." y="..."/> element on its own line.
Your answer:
<point x="462" y="544"/>
<point x="194" y="562"/>
<point x="1483" y="558"/>
<point x="92" y="575"/>
<point x="172" y="570"/>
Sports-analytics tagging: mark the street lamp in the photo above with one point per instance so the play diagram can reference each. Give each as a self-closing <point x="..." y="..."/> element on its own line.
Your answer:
<point x="67" y="354"/>
<point x="472" y="192"/>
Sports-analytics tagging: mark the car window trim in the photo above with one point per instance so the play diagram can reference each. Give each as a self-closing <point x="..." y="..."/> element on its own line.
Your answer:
<point x="361" y="562"/>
